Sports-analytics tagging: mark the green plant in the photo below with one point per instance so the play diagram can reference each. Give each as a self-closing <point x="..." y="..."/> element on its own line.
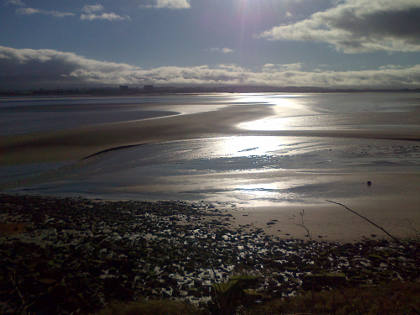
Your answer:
<point x="227" y="296"/>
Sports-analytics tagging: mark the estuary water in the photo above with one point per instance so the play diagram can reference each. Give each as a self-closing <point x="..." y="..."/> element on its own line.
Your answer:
<point x="298" y="149"/>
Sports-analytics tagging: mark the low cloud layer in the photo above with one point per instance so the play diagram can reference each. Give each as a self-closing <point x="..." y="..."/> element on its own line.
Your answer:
<point x="358" y="26"/>
<point x="29" y="68"/>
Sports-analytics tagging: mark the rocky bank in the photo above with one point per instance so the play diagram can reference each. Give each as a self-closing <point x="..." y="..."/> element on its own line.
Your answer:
<point x="73" y="255"/>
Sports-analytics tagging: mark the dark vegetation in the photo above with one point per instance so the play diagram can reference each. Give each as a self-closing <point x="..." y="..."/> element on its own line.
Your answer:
<point x="388" y="299"/>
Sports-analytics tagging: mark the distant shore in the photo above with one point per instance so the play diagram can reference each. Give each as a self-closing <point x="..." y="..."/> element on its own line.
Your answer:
<point x="159" y="90"/>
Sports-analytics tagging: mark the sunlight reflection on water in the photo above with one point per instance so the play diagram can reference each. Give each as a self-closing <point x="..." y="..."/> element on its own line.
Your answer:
<point x="288" y="111"/>
<point x="243" y="169"/>
<point x="247" y="146"/>
<point x="253" y="168"/>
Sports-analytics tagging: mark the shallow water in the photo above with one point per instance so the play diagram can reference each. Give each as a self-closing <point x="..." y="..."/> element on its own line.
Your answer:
<point x="246" y="170"/>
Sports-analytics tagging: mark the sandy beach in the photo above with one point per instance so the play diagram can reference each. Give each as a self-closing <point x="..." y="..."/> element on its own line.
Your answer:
<point x="397" y="211"/>
<point x="332" y="222"/>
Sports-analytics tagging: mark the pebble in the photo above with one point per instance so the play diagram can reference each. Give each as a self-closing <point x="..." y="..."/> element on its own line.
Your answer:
<point x="104" y="251"/>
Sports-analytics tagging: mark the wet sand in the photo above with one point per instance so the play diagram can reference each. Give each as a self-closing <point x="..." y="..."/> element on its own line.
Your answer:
<point x="81" y="142"/>
<point x="395" y="210"/>
<point x="332" y="222"/>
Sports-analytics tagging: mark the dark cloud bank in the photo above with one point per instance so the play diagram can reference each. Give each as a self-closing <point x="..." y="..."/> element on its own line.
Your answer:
<point x="357" y="26"/>
<point x="29" y="68"/>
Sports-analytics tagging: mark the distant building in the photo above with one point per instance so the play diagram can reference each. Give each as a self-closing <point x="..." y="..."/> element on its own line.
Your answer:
<point x="123" y="87"/>
<point x="148" y="88"/>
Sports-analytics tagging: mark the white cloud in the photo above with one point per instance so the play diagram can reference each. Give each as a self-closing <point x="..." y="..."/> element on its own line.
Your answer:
<point x="19" y="3"/>
<point x="58" y="13"/>
<point x="224" y="50"/>
<point x="355" y="26"/>
<point x="94" y="12"/>
<point x="168" y="4"/>
<point x="111" y="16"/>
<point x="31" y="11"/>
<point x="92" y="8"/>
<point x="27" y="68"/>
<point x="89" y="12"/>
<point x="28" y="11"/>
<point x="269" y="67"/>
<point x="173" y="4"/>
<point x="24" y="10"/>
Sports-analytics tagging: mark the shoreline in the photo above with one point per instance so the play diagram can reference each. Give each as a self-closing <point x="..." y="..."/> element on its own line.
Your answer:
<point x="98" y="251"/>
<point x="324" y="221"/>
<point x="391" y="202"/>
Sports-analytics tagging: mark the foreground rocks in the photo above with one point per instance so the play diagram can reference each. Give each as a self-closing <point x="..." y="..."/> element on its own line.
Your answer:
<point x="75" y="255"/>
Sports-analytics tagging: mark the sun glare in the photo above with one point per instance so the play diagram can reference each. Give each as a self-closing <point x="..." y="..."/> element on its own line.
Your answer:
<point x="285" y="110"/>
<point x="247" y="146"/>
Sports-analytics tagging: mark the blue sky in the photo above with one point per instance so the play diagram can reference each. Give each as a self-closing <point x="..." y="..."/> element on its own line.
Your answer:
<point x="327" y="43"/>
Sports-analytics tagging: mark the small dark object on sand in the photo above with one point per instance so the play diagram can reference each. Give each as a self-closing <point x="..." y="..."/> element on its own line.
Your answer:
<point x="369" y="183"/>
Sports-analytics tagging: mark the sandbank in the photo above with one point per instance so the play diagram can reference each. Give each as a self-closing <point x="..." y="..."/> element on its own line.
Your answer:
<point x="78" y="143"/>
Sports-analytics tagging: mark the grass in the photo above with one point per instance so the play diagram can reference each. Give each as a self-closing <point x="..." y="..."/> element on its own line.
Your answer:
<point x="389" y="298"/>
<point x="227" y="296"/>
<point x="146" y="307"/>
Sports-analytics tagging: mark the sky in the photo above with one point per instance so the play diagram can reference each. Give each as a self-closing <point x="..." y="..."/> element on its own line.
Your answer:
<point x="324" y="43"/>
